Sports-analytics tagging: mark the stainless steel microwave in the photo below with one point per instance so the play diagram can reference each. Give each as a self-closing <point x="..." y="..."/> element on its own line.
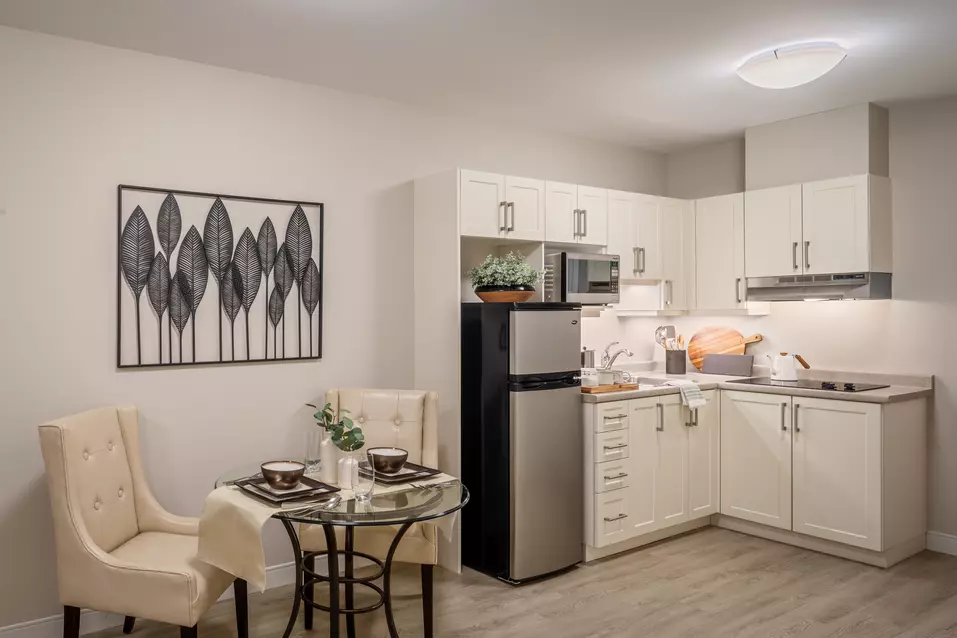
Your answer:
<point x="585" y="278"/>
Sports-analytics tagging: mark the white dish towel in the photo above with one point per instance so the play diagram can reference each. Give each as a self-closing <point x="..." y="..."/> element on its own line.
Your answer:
<point x="691" y="394"/>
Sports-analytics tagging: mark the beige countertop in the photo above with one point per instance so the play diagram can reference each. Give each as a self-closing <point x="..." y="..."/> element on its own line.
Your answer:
<point x="901" y="387"/>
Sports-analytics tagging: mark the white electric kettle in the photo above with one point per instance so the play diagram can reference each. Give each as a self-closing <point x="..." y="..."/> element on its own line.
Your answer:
<point x="784" y="366"/>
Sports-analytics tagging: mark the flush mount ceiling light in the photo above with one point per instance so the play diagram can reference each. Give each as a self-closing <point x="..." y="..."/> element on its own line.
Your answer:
<point x="793" y="65"/>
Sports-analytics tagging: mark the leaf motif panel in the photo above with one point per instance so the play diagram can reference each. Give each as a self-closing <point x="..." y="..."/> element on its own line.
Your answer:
<point x="157" y="287"/>
<point x="218" y="239"/>
<point x="250" y="271"/>
<point x="192" y="267"/>
<point x="298" y="243"/>
<point x="136" y="251"/>
<point x="169" y="225"/>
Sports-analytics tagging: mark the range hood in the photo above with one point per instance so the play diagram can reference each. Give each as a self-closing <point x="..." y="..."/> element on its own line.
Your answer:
<point x="863" y="285"/>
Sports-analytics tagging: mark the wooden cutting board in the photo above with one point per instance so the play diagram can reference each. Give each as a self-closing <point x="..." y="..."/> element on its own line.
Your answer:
<point x="613" y="387"/>
<point x="715" y="340"/>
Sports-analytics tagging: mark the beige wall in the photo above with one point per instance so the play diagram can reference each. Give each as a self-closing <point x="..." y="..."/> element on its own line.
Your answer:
<point x="905" y="335"/>
<point x="847" y="141"/>
<point x="706" y="171"/>
<point x="78" y="119"/>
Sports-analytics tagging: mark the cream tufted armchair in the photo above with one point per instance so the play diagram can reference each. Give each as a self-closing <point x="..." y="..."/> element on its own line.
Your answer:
<point x="406" y="419"/>
<point x="117" y="549"/>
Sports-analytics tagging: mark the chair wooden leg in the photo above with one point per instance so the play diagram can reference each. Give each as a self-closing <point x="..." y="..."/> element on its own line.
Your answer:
<point x="189" y="632"/>
<point x="242" y="608"/>
<point x="427" y="600"/>
<point x="309" y="563"/>
<point x="128" y="623"/>
<point x="71" y="622"/>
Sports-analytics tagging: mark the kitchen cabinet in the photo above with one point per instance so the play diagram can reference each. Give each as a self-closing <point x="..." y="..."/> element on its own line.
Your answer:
<point x="671" y="476"/>
<point x="525" y="208"/>
<point x="719" y="253"/>
<point x="576" y="214"/>
<point x="773" y="232"/>
<point x="704" y="457"/>
<point x="756" y="457"/>
<point x="643" y="469"/>
<point x="676" y="218"/>
<point x="633" y="234"/>
<point x="837" y="471"/>
<point x="501" y="206"/>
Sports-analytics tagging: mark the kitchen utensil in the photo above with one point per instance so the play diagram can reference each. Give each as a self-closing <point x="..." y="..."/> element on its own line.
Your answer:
<point x="737" y="365"/>
<point x="588" y="358"/>
<point x="283" y="475"/>
<point x="615" y="387"/>
<point x="662" y="333"/>
<point x="676" y="362"/>
<point x="681" y="342"/>
<point x="717" y="340"/>
<point x="784" y="366"/>
<point x="387" y="460"/>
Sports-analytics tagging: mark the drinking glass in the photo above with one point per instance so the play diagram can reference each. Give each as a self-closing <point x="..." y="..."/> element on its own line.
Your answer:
<point x="364" y="486"/>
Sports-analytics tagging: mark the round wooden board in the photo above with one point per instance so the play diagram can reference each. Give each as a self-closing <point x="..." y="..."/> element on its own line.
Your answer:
<point x="717" y="340"/>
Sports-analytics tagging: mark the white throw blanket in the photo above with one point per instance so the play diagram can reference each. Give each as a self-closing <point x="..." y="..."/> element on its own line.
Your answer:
<point x="691" y="394"/>
<point x="230" y="530"/>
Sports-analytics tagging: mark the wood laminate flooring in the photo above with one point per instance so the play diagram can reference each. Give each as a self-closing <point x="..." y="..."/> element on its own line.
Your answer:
<point x="712" y="583"/>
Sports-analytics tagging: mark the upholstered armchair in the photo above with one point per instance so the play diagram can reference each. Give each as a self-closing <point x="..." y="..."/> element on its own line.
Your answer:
<point x="389" y="418"/>
<point x="117" y="549"/>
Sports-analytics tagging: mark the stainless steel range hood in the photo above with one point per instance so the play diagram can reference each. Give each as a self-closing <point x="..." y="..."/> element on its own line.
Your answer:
<point x="863" y="285"/>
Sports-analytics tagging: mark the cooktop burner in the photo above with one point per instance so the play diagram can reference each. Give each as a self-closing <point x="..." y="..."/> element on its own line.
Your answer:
<point x="814" y="384"/>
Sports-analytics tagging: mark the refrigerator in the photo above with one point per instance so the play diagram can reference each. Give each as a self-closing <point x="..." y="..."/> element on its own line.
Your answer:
<point x="522" y="439"/>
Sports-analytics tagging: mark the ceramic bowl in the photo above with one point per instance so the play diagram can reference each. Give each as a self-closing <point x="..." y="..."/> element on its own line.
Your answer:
<point x="387" y="460"/>
<point x="283" y="475"/>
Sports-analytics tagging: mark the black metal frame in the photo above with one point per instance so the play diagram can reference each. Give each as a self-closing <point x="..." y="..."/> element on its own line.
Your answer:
<point x="262" y="200"/>
<point x="307" y="577"/>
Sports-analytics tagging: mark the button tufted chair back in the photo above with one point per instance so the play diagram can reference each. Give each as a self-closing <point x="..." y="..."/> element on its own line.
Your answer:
<point x="407" y="419"/>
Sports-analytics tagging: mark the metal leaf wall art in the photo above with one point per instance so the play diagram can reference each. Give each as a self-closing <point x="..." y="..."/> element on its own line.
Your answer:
<point x="174" y="268"/>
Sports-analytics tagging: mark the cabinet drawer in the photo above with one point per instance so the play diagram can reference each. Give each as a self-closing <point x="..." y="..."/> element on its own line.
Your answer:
<point x="611" y="518"/>
<point x="611" y="416"/>
<point x="611" y="475"/>
<point x="611" y="446"/>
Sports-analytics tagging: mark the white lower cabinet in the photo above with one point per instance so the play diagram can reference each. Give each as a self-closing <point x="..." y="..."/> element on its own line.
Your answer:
<point x="671" y="468"/>
<point x="704" y="458"/>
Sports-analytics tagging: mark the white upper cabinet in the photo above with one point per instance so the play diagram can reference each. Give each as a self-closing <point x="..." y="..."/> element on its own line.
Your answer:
<point x="622" y="232"/>
<point x="773" y="237"/>
<point x="525" y="213"/>
<point x="719" y="252"/>
<point x="593" y="204"/>
<point x="648" y="241"/>
<point x="847" y="225"/>
<point x="482" y="204"/>
<point x="576" y="214"/>
<point x="677" y="263"/>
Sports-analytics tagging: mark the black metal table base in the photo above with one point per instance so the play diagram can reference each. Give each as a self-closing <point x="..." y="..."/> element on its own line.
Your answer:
<point x="307" y="577"/>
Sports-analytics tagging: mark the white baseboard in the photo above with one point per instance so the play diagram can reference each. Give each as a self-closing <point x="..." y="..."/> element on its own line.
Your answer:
<point x="941" y="542"/>
<point x="92" y="621"/>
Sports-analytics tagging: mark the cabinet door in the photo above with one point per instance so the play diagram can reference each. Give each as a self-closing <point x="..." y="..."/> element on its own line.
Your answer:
<point x="561" y="213"/>
<point x="673" y="287"/>
<point x="756" y="457"/>
<point x="772" y="227"/>
<point x="704" y="457"/>
<point x="526" y="208"/>
<point x="836" y="226"/>
<point x="837" y="471"/>
<point x="621" y="232"/>
<point x="671" y="481"/>
<point x="482" y="204"/>
<point x="593" y="202"/>
<point x="648" y="240"/>
<point x="718" y="280"/>
<point x="642" y="472"/>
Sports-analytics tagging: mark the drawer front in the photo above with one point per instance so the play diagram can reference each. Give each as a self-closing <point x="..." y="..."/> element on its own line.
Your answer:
<point x="611" y="475"/>
<point x="612" y="416"/>
<point x="611" y="446"/>
<point x="611" y="518"/>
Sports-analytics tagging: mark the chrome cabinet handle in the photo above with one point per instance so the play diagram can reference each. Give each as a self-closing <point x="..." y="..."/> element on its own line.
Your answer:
<point x="660" y="426"/>
<point x="616" y="477"/>
<point x="737" y="290"/>
<point x="637" y="252"/>
<point x="807" y="254"/>
<point x="504" y="207"/>
<point x="671" y="291"/>
<point x="584" y="222"/>
<point x="616" y="447"/>
<point x="794" y="254"/>
<point x="576" y="232"/>
<point x="616" y="518"/>
<point x="641" y="252"/>
<point x="696" y="417"/>
<point x="797" y="427"/>
<point x="612" y="417"/>
<point x="511" y="206"/>
<point x="784" y="407"/>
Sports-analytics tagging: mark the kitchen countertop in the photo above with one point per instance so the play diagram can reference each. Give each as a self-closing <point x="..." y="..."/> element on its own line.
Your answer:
<point x="902" y="388"/>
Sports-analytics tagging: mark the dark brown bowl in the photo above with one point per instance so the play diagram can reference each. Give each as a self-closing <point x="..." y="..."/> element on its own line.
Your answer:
<point x="387" y="463"/>
<point x="283" y="479"/>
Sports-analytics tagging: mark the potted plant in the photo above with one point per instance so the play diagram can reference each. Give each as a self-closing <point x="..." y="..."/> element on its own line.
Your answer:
<point x="343" y="434"/>
<point x="504" y="279"/>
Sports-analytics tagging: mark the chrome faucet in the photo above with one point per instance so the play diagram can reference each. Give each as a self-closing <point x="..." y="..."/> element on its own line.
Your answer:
<point x="608" y="359"/>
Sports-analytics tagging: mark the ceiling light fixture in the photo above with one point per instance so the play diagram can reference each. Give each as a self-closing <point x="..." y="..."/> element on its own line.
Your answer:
<point x="793" y="65"/>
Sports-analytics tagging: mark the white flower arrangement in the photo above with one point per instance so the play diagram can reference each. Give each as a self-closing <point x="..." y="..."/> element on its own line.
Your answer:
<point x="510" y="270"/>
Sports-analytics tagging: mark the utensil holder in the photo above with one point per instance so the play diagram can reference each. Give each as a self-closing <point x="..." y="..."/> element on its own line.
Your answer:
<point x="676" y="361"/>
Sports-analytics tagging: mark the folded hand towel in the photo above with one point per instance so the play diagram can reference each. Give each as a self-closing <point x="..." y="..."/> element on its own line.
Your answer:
<point x="691" y="394"/>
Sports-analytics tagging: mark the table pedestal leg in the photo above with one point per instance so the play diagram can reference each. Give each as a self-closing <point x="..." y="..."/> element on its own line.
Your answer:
<point x="387" y="580"/>
<point x="297" y="553"/>
<point x="350" y="589"/>
<point x="333" y="580"/>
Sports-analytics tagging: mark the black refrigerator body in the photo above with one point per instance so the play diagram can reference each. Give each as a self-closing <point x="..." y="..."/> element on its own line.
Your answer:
<point x="522" y="438"/>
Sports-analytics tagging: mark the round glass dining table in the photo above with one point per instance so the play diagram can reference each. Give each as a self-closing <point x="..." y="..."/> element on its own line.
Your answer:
<point x="401" y="506"/>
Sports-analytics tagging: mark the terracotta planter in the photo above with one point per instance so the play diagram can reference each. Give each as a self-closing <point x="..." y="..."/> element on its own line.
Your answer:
<point x="504" y="294"/>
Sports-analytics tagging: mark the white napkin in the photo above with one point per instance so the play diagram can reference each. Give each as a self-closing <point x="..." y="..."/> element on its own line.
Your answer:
<point x="691" y="394"/>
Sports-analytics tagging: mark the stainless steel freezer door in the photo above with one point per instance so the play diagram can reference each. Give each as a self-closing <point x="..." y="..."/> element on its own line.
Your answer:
<point x="544" y="341"/>
<point x="547" y="481"/>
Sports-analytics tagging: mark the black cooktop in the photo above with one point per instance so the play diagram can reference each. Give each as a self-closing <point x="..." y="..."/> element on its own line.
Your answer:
<point x="814" y="384"/>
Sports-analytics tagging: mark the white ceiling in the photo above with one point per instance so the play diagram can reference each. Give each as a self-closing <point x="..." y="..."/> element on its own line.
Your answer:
<point x="652" y="73"/>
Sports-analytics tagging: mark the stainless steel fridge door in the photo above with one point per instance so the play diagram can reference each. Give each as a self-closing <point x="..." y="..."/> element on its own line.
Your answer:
<point x="544" y="341"/>
<point x="547" y="481"/>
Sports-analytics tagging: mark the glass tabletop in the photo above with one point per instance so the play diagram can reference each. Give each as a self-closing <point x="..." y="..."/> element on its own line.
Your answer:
<point x="398" y="504"/>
